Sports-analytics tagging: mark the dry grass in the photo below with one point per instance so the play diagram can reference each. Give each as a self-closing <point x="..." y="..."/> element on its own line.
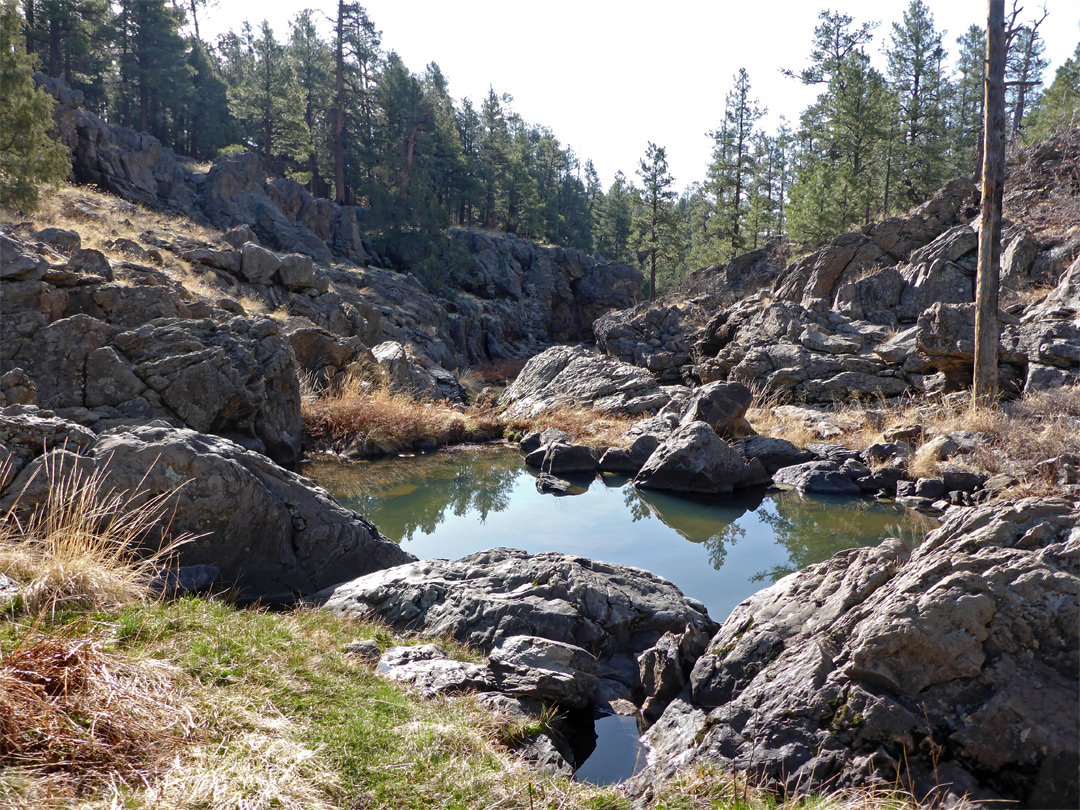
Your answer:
<point x="80" y="548"/>
<point x="85" y="716"/>
<point x="1016" y="439"/>
<point x="585" y="425"/>
<point x="373" y="421"/>
<point x="100" y="218"/>
<point x="498" y="372"/>
<point x="704" y="787"/>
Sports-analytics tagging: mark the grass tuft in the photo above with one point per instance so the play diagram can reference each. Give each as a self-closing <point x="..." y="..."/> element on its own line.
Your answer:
<point x="81" y="548"/>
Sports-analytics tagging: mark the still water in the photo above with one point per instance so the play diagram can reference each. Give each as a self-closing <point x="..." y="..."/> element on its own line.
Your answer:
<point x="454" y="503"/>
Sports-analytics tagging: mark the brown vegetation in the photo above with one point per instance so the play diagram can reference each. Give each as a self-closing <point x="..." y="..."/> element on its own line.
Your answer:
<point x="1016" y="438"/>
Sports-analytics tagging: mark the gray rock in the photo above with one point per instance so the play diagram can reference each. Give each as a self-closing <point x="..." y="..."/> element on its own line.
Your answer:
<point x="604" y="608"/>
<point x="62" y="240"/>
<point x="628" y="461"/>
<point x="836" y="675"/>
<point x="772" y="453"/>
<point x="661" y="673"/>
<point x="550" y="485"/>
<point x="534" y="667"/>
<point x="821" y="477"/>
<point x="722" y="406"/>
<point x="693" y="460"/>
<point x="561" y="459"/>
<point x="270" y="532"/>
<point x="259" y="265"/>
<point x="567" y="374"/>
<point x="534" y="441"/>
<point x="429" y="669"/>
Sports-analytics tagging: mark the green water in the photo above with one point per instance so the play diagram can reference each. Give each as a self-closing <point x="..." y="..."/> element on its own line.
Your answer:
<point x="720" y="551"/>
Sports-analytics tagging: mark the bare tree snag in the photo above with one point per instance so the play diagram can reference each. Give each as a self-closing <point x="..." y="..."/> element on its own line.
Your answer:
<point x="993" y="174"/>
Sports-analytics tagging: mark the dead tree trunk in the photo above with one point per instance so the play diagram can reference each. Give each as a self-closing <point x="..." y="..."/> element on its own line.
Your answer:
<point x="986" y="295"/>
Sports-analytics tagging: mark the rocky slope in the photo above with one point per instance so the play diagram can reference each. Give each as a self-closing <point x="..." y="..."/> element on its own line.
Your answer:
<point x="882" y="312"/>
<point x="500" y="296"/>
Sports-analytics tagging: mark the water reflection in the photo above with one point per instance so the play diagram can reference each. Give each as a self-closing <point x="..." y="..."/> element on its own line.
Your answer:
<point x="423" y="488"/>
<point x="718" y="550"/>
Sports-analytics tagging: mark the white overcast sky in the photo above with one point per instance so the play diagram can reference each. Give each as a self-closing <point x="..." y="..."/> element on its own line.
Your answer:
<point x="608" y="77"/>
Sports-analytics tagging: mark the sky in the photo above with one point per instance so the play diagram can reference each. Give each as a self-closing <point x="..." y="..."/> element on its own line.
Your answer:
<point x="609" y="77"/>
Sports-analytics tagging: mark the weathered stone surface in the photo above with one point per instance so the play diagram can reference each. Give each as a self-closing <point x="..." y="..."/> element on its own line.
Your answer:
<point x="562" y="458"/>
<point x="821" y="477"/>
<point x="269" y="531"/>
<point x="406" y="375"/>
<point x="535" y="667"/>
<point x="430" y="670"/>
<point x="569" y="374"/>
<point x="953" y="665"/>
<point x="695" y="460"/>
<point x="628" y="461"/>
<point x="722" y="406"/>
<point x="484" y="597"/>
<point x="772" y="453"/>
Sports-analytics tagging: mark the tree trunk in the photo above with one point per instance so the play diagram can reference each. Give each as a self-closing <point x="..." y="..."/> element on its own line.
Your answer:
<point x="986" y="295"/>
<point x="339" y="108"/>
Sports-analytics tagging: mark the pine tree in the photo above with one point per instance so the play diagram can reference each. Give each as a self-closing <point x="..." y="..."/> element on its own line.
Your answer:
<point x="29" y="158"/>
<point x="966" y="110"/>
<point x="210" y="126"/>
<point x="616" y="220"/>
<point x="656" y="227"/>
<point x="73" y="39"/>
<point x="268" y="102"/>
<point x="1059" y="107"/>
<point x="312" y="62"/>
<point x="154" y="77"/>
<point x="916" y="71"/>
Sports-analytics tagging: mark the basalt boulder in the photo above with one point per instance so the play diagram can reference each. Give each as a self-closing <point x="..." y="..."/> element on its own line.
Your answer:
<point x="271" y="533"/>
<point x="951" y="668"/>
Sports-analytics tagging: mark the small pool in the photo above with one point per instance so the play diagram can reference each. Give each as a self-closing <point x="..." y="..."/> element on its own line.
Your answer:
<point x="719" y="551"/>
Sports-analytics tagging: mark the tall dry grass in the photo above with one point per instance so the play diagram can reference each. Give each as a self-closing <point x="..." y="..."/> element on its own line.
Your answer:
<point x="368" y="418"/>
<point x="81" y="549"/>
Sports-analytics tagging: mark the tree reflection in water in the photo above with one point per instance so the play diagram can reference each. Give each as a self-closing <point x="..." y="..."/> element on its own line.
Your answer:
<point x="424" y="488"/>
<point x="816" y="528"/>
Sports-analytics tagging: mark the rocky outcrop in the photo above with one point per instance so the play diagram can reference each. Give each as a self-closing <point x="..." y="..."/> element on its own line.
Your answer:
<point x="654" y="336"/>
<point x="498" y="296"/>
<point x="128" y="344"/>
<point x="269" y="532"/>
<point x="951" y="669"/>
<point x="877" y="313"/>
<point x="485" y="597"/>
<point x="574" y="375"/>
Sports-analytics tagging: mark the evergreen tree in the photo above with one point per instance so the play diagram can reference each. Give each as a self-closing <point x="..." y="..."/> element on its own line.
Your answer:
<point x="29" y="158"/>
<point x="154" y="76"/>
<point x="916" y="60"/>
<point x="267" y="101"/>
<point x="312" y="63"/>
<point x="1059" y="107"/>
<point x="966" y="112"/>
<point x="73" y="39"/>
<point x="656" y="227"/>
<point x="209" y="124"/>
<point x="616" y="219"/>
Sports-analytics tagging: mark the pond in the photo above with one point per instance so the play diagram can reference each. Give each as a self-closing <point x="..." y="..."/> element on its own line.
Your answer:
<point x="719" y="551"/>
